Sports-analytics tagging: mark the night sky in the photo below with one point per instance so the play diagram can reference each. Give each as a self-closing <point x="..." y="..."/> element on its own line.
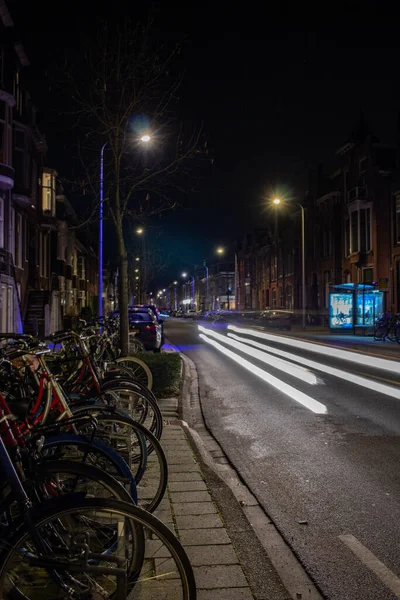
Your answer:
<point x="278" y="87"/>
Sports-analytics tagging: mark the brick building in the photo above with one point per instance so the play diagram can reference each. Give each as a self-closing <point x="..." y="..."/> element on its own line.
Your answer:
<point x="352" y="225"/>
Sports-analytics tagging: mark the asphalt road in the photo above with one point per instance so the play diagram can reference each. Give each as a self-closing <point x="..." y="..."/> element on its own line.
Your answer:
<point x="324" y="464"/>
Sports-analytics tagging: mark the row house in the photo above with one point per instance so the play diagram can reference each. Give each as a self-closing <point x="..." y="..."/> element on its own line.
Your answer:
<point x="46" y="272"/>
<point x="352" y="225"/>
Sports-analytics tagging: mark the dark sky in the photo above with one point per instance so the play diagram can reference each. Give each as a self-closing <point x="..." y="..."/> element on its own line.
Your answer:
<point x="278" y="86"/>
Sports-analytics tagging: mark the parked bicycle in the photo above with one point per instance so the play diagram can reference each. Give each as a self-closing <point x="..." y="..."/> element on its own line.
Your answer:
<point x="387" y="327"/>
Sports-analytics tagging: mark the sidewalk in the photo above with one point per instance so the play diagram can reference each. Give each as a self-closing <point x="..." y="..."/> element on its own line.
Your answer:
<point x="189" y="510"/>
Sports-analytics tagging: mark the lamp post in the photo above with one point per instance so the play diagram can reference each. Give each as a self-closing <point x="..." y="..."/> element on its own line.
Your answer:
<point x="145" y="139"/>
<point x="277" y="201"/>
<point x="101" y="229"/>
<point x="140" y="231"/>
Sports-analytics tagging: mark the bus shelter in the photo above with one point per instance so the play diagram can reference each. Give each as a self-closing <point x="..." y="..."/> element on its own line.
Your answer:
<point x="354" y="306"/>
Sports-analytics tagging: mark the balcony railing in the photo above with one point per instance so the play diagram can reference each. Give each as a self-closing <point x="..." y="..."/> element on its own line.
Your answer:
<point x="357" y="193"/>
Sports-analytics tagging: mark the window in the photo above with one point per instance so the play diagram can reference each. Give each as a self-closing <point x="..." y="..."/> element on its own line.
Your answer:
<point x="347" y="236"/>
<point x="18" y="240"/>
<point x="281" y="299"/>
<point x="1" y="222"/>
<point x="274" y="298"/>
<point x="62" y="242"/>
<point x="48" y="193"/>
<point x="75" y="263"/>
<point x="7" y="308"/>
<point x="82" y="267"/>
<point x="20" y="157"/>
<point x="365" y="230"/>
<point x="12" y="234"/>
<point x="5" y="133"/>
<point x="397" y="219"/>
<point x="354" y="231"/>
<point x="367" y="275"/>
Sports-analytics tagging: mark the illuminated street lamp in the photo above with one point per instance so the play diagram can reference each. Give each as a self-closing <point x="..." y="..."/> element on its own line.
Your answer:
<point x="137" y="258"/>
<point x="277" y="201"/>
<point x="139" y="231"/>
<point x="175" y="283"/>
<point x="184" y="275"/>
<point x="136" y="270"/>
<point x="220" y="250"/>
<point x="145" y="138"/>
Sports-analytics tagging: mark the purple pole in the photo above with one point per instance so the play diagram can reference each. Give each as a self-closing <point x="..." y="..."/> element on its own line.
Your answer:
<point x="101" y="231"/>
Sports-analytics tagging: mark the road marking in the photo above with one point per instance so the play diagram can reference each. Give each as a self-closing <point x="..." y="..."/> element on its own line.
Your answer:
<point x="304" y="399"/>
<point x="282" y="365"/>
<point x="363" y="359"/>
<point x="374" y="564"/>
<point x="346" y="375"/>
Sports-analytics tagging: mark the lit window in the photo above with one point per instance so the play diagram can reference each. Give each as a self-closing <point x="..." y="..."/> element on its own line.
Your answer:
<point x="48" y="193"/>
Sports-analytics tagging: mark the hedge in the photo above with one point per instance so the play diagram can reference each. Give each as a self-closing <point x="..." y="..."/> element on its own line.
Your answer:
<point x="166" y="369"/>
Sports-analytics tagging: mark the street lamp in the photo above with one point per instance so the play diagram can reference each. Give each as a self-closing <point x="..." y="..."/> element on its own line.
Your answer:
<point x="145" y="138"/>
<point x="220" y="250"/>
<point x="139" y="230"/>
<point x="303" y="259"/>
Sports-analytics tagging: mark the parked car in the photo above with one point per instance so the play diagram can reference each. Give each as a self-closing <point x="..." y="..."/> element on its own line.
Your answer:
<point x="190" y="314"/>
<point x="147" y="329"/>
<point x="144" y="324"/>
<point x="156" y="313"/>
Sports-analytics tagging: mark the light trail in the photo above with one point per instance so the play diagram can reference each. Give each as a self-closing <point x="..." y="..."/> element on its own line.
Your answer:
<point x="282" y="365"/>
<point x="303" y="399"/>
<point x="363" y="359"/>
<point x="346" y="375"/>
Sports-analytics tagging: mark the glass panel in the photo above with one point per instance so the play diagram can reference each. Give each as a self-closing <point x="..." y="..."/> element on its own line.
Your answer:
<point x="340" y="311"/>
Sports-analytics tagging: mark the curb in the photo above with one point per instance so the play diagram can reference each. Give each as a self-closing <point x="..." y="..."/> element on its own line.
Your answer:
<point x="292" y="574"/>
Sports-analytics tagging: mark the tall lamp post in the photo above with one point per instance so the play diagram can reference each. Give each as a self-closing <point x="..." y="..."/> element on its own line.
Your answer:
<point x="101" y="230"/>
<point x="145" y="139"/>
<point x="277" y="201"/>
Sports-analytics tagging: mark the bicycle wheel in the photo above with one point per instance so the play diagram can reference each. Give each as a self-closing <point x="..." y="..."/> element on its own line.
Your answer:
<point x="140" y="371"/>
<point x="140" y="403"/>
<point x="135" y="345"/>
<point x="121" y="434"/>
<point x="68" y="446"/>
<point x="60" y="553"/>
<point x="380" y="332"/>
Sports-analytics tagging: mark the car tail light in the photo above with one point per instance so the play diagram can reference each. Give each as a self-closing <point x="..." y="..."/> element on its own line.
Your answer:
<point x="151" y="328"/>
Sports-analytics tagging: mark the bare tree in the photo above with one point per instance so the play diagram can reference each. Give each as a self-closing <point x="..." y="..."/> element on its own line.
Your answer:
<point x="125" y="90"/>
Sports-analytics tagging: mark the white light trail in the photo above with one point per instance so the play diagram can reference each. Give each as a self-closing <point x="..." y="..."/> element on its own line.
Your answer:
<point x="362" y="381"/>
<point x="282" y="365"/>
<point x="304" y="399"/>
<point x="363" y="359"/>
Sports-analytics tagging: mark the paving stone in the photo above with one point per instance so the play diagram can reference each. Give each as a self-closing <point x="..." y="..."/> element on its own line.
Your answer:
<point x="194" y="508"/>
<point x="195" y="522"/>
<point x="167" y="568"/>
<point x="212" y="555"/>
<point x="190" y="497"/>
<point x="187" y="486"/>
<point x="219" y="576"/>
<point x="180" y="459"/>
<point x="184" y="468"/>
<point x="203" y="537"/>
<point x="181" y="476"/>
<point x="164" y="515"/>
<point x="225" y="594"/>
<point x="154" y="590"/>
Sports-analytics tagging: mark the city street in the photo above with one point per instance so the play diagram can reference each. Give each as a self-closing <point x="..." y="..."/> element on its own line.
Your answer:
<point x="315" y="436"/>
